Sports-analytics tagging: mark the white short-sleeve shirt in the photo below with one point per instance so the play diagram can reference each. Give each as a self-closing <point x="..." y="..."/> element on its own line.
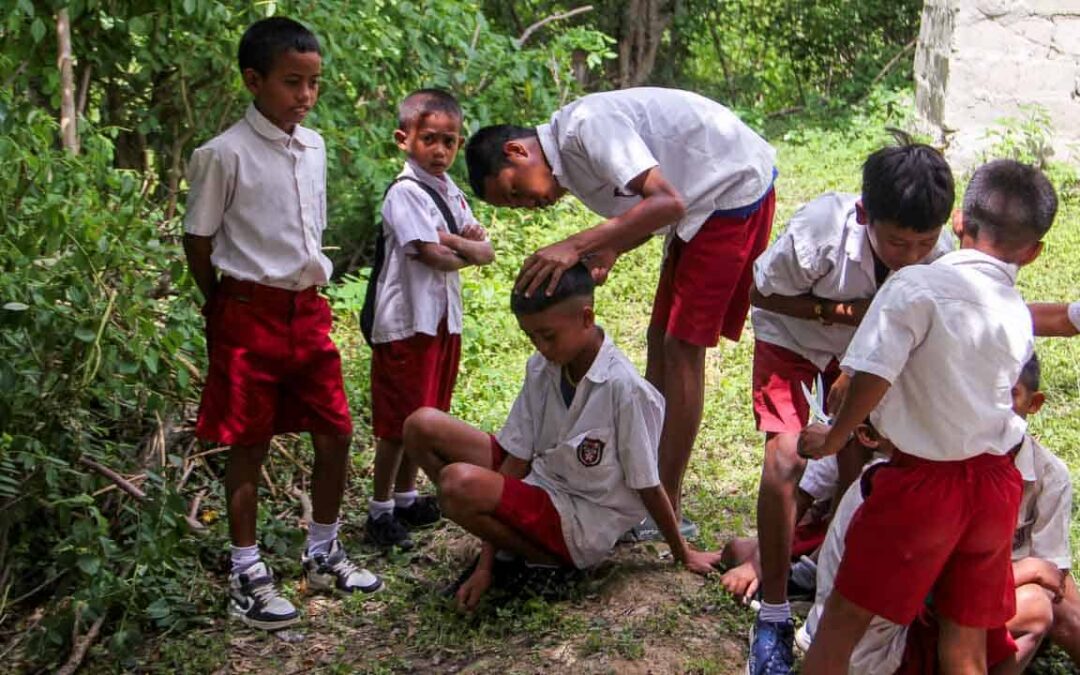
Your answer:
<point x="826" y="252"/>
<point x="600" y="142"/>
<point x="261" y="194"/>
<point x="593" y="456"/>
<point x="952" y="335"/>
<point x="413" y="297"/>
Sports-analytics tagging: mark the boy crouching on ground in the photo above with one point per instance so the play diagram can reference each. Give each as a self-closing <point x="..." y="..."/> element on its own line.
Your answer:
<point x="574" y="466"/>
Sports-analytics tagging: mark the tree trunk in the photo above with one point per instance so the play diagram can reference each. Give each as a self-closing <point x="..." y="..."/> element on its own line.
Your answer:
<point x="644" y="23"/>
<point x="69" y="134"/>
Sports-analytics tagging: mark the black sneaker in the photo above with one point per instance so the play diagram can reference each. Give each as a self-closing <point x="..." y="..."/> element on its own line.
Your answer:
<point x="386" y="532"/>
<point x="423" y="511"/>
<point x="254" y="600"/>
<point x="333" y="571"/>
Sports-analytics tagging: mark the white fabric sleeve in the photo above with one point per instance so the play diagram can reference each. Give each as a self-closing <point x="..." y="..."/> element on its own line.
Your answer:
<point x="518" y="434"/>
<point x="1074" y="314"/>
<point x="898" y="320"/>
<point x="411" y="216"/>
<point x="821" y="478"/>
<point x="1053" y="506"/>
<point x="785" y="268"/>
<point x="210" y="187"/>
<point x="639" y="419"/>
<point x="615" y="150"/>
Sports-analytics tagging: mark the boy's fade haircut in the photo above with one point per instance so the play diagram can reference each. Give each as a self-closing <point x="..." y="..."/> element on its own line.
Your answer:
<point x="909" y="184"/>
<point x="267" y="39"/>
<point x="423" y="102"/>
<point x="1031" y="374"/>
<point x="575" y="282"/>
<point x="1012" y="203"/>
<point x="484" y="154"/>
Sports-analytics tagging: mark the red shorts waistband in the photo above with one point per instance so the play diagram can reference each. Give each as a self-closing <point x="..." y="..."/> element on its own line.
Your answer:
<point x="984" y="460"/>
<point x="261" y="293"/>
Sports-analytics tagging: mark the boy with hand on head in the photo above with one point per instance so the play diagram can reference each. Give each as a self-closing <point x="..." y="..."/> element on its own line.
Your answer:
<point x="256" y="211"/>
<point x="811" y="288"/>
<point x="953" y="335"/>
<point x="413" y="309"/>
<point x="1041" y="559"/>
<point x="648" y="160"/>
<point x="575" y="464"/>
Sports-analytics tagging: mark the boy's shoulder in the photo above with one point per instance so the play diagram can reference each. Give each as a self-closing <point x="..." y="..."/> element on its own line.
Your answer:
<point x="1045" y="467"/>
<point x="408" y="181"/>
<point x="251" y="129"/>
<point x="826" y="217"/>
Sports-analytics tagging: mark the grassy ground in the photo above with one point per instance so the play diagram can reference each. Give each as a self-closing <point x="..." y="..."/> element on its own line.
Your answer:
<point x="638" y="614"/>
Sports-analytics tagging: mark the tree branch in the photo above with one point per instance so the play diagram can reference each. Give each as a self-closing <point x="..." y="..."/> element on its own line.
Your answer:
<point x="69" y="135"/>
<point x="116" y="478"/>
<point x="554" y="17"/>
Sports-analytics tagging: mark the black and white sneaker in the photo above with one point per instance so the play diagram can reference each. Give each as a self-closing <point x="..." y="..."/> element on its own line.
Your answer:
<point x="423" y="511"/>
<point x="387" y="531"/>
<point x="333" y="571"/>
<point x="254" y="600"/>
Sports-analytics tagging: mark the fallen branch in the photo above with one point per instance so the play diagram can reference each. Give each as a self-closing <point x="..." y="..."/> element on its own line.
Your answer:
<point x="305" y="506"/>
<point x="277" y="445"/>
<point x="889" y="66"/>
<point x="554" y="17"/>
<point x="269" y="482"/>
<point x="81" y="646"/>
<point x="116" y="478"/>
<point x="192" y="517"/>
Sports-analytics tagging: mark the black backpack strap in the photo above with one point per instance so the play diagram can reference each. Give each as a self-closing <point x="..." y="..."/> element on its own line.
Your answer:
<point x="367" y="313"/>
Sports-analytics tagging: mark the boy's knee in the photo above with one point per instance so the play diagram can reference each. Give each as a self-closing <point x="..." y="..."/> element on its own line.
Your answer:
<point x="1034" y="605"/>
<point x="455" y="483"/>
<point x="782" y="461"/>
<point x="677" y="351"/>
<point x="420" y="425"/>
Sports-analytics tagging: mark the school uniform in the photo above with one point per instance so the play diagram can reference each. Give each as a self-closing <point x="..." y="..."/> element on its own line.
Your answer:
<point x="261" y="194"/>
<point x="724" y="171"/>
<point x="1042" y="531"/>
<point x="591" y="449"/>
<point x="826" y="252"/>
<point x="416" y="334"/>
<point x="954" y="336"/>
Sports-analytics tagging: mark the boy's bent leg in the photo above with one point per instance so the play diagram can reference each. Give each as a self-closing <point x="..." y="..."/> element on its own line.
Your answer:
<point x="1065" y="631"/>
<point x="433" y="439"/>
<point x="684" y="398"/>
<point x="470" y="496"/>
<point x="241" y="491"/>
<point x="841" y="627"/>
<point x="776" y="513"/>
<point x="1030" y="624"/>
<point x="961" y="649"/>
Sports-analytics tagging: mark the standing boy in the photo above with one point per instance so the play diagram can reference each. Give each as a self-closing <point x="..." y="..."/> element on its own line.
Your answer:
<point x="811" y="289"/>
<point x="428" y="234"/>
<point x="575" y="464"/>
<point x="648" y="160"/>
<point x="951" y="336"/>
<point x="256" y="211"/>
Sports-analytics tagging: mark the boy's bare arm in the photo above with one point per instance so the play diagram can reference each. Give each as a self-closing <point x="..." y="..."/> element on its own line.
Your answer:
<point x="197" y="250"/>
<point x="811" y="307"/>
<point x="439" y="257"/>
<point x="1033" y="570"/>
<point x="1051" y="319"/>
<point x="865" y="392"/>
<point x="659" y="507"/>
<point x="475" y="252"/>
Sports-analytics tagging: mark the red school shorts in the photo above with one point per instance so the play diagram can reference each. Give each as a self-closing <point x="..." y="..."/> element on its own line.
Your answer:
<point x="704" y="287"/>
<point x="778" y="373"/>
<point x="921" y="646"/>
<point x="417" y="372"/>
<point x="528" y="509"/>
<point x="940" y="527"/>
<point x="273" y="367"/>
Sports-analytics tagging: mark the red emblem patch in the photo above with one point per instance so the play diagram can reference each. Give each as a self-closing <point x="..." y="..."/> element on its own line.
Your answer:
<point x="590" y="451"/>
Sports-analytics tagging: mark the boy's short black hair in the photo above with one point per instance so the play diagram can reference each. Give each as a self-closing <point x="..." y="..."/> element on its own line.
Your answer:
<point x="424" y="102"/>
<point x="484" y="154"/>
<point x="1010" y="202"/>
<point x="267" y="39"/>
<point x="909" y="184"/>
<point x="1031" y="374"/>
<point x="575" y="282"/>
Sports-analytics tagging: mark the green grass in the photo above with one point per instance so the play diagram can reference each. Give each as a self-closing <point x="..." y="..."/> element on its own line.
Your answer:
<point x="411" y="627"/>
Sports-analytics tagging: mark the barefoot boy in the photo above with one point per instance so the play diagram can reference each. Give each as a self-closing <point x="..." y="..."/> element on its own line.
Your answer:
<point x="256" y="211"/>
<point x="575" y="464"/>
<point x="414" y="304"/>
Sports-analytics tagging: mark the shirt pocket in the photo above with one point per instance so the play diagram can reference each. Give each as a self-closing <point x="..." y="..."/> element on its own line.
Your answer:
<point x="585" y="460"/>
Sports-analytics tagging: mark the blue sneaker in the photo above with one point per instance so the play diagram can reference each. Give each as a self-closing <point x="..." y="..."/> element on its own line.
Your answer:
<point x="771" y="648"/>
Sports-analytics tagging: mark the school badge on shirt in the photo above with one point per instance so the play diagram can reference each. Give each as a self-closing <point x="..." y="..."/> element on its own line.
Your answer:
<point x="590" y="451"/>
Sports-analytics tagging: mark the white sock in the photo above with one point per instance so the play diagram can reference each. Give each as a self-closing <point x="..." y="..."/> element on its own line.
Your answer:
<point x="376" y="509"/>
<point x="319" y="537"/>
<point x="404" y="500"/>
<point x="243" y="557"/>
<point x="774" y="613"/>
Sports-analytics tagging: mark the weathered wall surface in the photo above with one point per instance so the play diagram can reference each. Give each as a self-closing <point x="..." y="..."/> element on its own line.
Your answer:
<point x="978" y="61"/>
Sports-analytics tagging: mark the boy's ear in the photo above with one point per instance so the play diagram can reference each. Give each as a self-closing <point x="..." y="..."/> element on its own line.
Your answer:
<point x="958" y="223"/>
<point x="588" y="316"/>
<point x="1030" y="254"/>
<point x="399" y="138"/>
<point x="252" y="80"/>
<point x="515" y="150"/>
<point x="1037" y="401"/>
<point x="867" y="437"/>
<point x="860" y="213"/>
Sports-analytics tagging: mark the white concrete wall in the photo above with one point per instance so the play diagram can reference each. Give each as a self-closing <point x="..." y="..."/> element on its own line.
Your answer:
<point x="978" y="61"/>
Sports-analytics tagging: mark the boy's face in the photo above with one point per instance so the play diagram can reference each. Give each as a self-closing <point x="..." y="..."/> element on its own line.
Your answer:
<point x="289" y="90"/>
<point x="526" y="181"/>
<point x="899" y="246"/>
<point x="1025" y="401"/>
<point x="561" y="331"/>
<point x="432" y="141"/>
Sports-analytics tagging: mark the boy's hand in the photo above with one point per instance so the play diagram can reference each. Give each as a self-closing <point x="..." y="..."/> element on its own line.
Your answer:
<point x="741" y="581"/>
<point x="600" y="264"/>
<point x="468" y="596"/>
<point x="813" y="442"/>
<point x="701" y="562"/>
<point x="473" y="232"/>
<point x="548" y="264"/>
<point x="837" y="393"/>
<point x="1042" y="572"/>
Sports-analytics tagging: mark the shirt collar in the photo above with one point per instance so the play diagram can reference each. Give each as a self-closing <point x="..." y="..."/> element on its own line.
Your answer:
<point x="443" y="184"/>
<point x="273" y="133"/>
<point x="598" y="372"/>
<point x="550" y="146"/>
<point x="1025" y="460"/>
<point x="999" y="270"/>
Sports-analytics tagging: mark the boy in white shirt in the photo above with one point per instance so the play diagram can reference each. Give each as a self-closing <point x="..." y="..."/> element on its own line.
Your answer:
<point x="649" y="161"/>
<point x="575" y="464"/>
<point x="812" y="287"/>
<point x="256" y="211"/>
<point x="412" y="313"/>
<point x="1041" y="558"/>
<point x="953" y="335"/>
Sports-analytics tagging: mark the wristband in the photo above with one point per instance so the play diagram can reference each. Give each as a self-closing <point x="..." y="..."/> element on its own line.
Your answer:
<point x="1074" y="314"/>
